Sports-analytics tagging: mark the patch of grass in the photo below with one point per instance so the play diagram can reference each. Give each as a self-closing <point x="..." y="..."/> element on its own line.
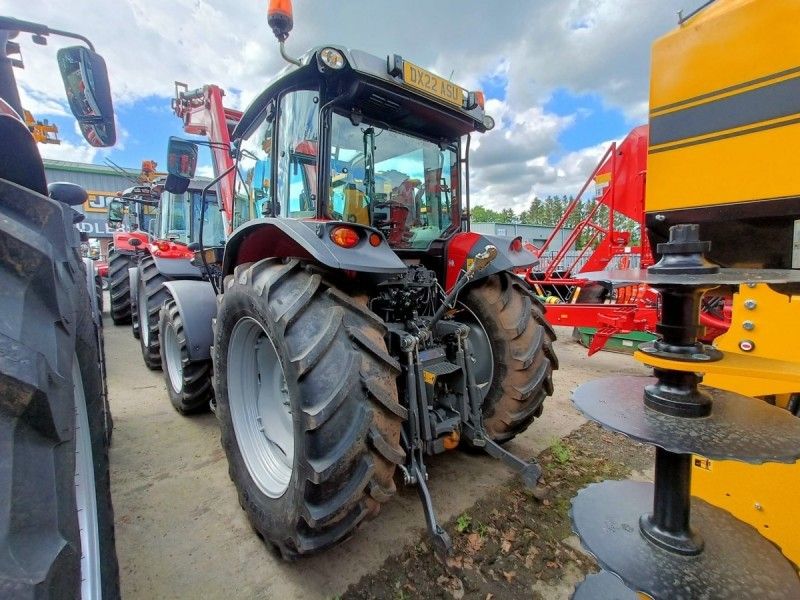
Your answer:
<point x="463" y="523"/>
<point x="482" y="529"/>
<point x="561" y="452"/>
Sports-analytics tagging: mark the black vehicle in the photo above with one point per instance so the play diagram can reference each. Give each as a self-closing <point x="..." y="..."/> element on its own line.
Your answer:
<point x="55" y="426"/>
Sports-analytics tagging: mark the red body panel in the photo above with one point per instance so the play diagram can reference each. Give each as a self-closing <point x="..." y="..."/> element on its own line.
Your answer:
<point x="121" y="240"/>
<point x="458" y="248"/>
<point x="167" y="249"/>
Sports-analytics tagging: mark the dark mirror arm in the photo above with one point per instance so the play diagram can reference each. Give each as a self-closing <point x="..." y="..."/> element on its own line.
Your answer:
<point x="11" y="24"/>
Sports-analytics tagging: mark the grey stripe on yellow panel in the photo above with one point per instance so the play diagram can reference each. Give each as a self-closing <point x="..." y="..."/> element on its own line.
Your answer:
<point x="724" y="136"/>
<point x="773" y="101"/>
<point x="726" y="90"/>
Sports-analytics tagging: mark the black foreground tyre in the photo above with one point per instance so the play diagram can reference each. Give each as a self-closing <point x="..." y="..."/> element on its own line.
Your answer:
<point x="119" y="286"/>
<point x="307" y="404"/>
<point x="512" y="349"/>
<point x="188" y="383"/>
<point x="98" y="290"/>
<point x="57" y="520"/>
<point x="149" y="298"/>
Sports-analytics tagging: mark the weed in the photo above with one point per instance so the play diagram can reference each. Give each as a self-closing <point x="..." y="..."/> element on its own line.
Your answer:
<point x="561" y="452"/>
<point x="482" y="529"/>
<point x="463" y="522"/>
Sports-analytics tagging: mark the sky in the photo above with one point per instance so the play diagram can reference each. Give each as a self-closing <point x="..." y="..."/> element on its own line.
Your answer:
<point x="563" y="78"/>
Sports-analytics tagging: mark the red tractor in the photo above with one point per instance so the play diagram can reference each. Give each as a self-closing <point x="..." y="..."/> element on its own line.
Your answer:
<point x="168" y="257"/>
<point x="359" y="326"/>
<point x="132" y="213"/>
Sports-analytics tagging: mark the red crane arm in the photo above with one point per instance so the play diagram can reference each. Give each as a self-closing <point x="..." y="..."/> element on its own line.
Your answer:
<point x="203" y="113"/>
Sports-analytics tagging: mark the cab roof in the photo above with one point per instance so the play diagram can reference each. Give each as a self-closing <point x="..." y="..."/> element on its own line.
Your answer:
<point x="367" y="82"/>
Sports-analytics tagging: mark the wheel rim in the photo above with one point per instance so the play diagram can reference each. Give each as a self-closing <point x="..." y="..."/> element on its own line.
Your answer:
<point x="481" y="346"/>
<point x="85" y="494"/>
<point x="144" y="321"/>
<point x="260" y="408"/>
<point x="174" y="358"/>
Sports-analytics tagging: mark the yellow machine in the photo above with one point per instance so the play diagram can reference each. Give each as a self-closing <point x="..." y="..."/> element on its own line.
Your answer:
<point x="724" y="131"/>
<point x="724" y="134"/>
<point x="43" y="131"/>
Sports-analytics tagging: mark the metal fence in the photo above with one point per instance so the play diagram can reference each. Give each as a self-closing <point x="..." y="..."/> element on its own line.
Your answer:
<point x="617" y="261"/>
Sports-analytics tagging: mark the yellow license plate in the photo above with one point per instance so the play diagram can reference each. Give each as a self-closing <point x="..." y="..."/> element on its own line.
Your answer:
<point x="432" y="85"/>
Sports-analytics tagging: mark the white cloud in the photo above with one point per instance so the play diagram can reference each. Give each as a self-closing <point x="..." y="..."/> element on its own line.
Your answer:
<point x="585" y="46"/>
<point x="205" y="171"/>
<point x="81" y="152"/>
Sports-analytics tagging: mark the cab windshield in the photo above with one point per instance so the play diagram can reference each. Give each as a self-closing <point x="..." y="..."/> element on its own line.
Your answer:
<point x="181" y="215"/>
<point x="404" y="186"/>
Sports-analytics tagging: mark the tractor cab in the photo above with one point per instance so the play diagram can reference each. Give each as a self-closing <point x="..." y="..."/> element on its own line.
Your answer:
<point x="348" y="136"/>
<point x="181" y="217"/>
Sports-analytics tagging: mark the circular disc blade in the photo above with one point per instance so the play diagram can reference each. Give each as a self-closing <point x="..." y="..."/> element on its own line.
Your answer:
<point x="723" y="277"/>
<point x="736" y="562"/>
<point x="603" y="586"/>
<point x="739" y="427"/>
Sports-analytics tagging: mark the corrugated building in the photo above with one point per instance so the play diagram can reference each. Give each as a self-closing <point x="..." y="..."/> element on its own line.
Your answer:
<point x="535" y="234"/>
<point x="101" y="182"/>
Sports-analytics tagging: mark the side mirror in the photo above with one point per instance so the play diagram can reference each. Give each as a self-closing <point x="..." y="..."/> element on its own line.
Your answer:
<point x="68" y="193"/>
<point x="89" y="94"/>
<point x="176" y="185"/>
<point x="181" y="164"/>
<point x="181" y="158"/>
<point x="116" y="210"/>
<point x="279" y="18"/>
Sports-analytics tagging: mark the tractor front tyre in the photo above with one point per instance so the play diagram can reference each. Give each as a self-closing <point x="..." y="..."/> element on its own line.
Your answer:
<point x="150" y="295"/>
<point x="188" y="383"/>
<point x="513" y="358"/>
<point x="119" y="286"/>
<point x="307" y="404"/>
<point x="57" y="520"/>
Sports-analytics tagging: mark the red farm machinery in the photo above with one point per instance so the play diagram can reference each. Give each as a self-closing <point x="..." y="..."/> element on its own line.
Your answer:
<point x="608" y="236"/>
<point x="132" y="214"/>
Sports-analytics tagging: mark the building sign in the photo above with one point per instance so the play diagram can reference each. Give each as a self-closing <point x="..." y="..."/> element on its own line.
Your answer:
<point x="96" y="210"/>
<point x="98" y="201"/>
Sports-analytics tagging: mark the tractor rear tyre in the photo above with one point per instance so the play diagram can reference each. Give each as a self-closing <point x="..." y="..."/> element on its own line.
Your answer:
<point x="149" y="298"/>
<point x="512" y="352"/>
<point x="188" y="383"/>
<point x="307" y="404"/>
<point x="57" y="520"/>
<point x="119" y="286"/>
<point x="98" y="290"/>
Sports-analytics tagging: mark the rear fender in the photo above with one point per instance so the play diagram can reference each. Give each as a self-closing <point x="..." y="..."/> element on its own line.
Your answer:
<point x="122" y="241"/>
<point x="197" y="305"/>
<point x="308" y="240"/>
<point x="462" y="248"/>
<point x="176" y="268"/>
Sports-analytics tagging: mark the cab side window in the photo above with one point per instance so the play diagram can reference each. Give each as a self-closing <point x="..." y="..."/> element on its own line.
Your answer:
<point x="298" y="149"/>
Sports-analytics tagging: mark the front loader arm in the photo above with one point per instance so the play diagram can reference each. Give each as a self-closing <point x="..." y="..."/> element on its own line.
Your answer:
<point x="203" y="113"/>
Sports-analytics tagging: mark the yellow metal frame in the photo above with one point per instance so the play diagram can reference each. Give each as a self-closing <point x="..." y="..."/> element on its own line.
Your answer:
<point x="765" y="496"/>
<point x="719" y="66"/>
